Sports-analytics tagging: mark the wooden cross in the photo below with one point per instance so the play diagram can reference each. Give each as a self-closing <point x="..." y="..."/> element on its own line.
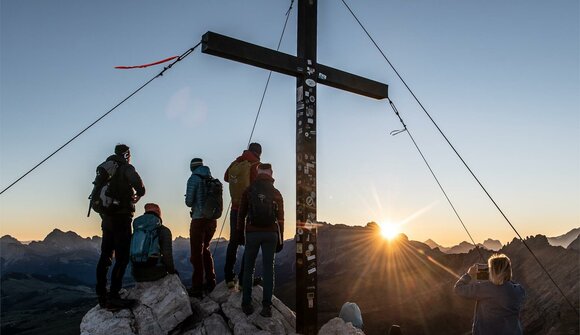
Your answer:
<point x="308" y="74"/>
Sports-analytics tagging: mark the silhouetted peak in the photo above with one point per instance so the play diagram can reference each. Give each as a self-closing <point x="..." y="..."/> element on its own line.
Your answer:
<point x="373" y="225"/>
<point x="58" y="235"/>
<point x="465" y="244"/>
<point x="432" y="244"/>
<point x="9" y="240"/>
<point x="575" y="245"/>
<point x="538" y="240"/>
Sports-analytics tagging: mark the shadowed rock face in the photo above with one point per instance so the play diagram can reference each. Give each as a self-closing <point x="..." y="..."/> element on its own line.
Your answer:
<point x="165" y="308"/>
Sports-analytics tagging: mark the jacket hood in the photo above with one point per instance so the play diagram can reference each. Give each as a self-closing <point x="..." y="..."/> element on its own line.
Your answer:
<point x="152" y="216"/>
<point x="117" y="158"/>
<point x="249" y="156"/>
<point x="264" y="177"/>
<point x="201" y="170"/>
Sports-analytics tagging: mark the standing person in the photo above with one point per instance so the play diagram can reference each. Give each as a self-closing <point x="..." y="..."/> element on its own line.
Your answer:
<point x="201" y="229"/>
<point x="151" y="246"/>
<point x="126" y="188"/>
<point x="498" y="301"/>
<point x="240" y="174"/>
<point x="261" y="216"/>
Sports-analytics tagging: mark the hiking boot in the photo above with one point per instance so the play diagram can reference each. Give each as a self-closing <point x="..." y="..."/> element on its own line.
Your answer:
<point x="248" y="309"/>
<point x="209" y="287"/>
<point x="102" y="301"/>
<point x="195" y="293"/>
<point x="266" y="311"/>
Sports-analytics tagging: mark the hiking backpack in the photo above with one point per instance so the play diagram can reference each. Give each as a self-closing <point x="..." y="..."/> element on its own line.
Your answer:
<point x="102" y="199"/>
<point x="145" y="239"/>
<point x="213" y="204"/>
<point x="239" y="179"/>
<point x="262" y="207"/>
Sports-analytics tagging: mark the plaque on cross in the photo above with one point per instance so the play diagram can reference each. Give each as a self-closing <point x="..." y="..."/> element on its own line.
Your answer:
<point x="308" y="74"/>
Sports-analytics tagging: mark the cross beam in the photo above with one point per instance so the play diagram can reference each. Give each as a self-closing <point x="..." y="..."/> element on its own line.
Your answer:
<point x="308" y="74"/>
<point x="251" y="54"/>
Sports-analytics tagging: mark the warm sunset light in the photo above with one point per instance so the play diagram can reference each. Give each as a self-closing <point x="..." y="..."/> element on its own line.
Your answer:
<point x="389" y="230"/>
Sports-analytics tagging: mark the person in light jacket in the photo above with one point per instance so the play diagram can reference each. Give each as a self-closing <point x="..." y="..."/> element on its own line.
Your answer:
<point x="201" y="230"/>
<point x="499" y="300"/>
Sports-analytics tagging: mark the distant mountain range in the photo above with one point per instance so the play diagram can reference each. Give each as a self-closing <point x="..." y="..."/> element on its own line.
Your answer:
<point x="490" y="244"/>
<point x="404" y="282"/>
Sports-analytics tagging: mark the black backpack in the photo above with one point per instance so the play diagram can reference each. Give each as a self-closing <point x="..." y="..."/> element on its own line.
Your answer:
<point x="104" y="198"/>
<point x="263" y="209"/>
<point x="213" y="205"/>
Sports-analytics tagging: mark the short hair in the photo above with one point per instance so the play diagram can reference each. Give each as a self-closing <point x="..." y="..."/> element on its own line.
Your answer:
<point x="500" y="269"/>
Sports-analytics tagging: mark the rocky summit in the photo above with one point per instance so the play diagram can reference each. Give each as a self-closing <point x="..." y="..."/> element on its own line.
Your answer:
<point x="165" y="308"/>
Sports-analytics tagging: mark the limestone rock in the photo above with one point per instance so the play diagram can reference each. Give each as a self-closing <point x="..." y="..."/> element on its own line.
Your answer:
<point x="100" y="321"/>
<point x="165" y="308"/>
<point x="337" y="326"/>
<point x="163" y="305"/>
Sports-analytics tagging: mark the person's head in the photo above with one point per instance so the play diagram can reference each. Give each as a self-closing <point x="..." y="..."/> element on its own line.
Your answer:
<point x="265" y="168"/>
<point x="395" y="330"/>
<point x="500" y="269"/>
<point x="350" y="312"/>
<point x="151" y="208"/>
<point x="123" y="151"/>
<point x="195" y="163"/>
<point x="255" y="148"/>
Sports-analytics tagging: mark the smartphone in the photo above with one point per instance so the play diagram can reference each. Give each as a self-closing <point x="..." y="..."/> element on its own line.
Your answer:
<point x="482" y="272"/>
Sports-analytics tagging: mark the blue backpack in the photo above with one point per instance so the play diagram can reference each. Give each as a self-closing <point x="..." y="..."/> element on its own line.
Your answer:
<point x="145" y="239"/>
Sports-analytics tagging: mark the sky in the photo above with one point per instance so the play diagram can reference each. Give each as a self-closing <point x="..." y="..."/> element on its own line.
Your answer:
<point x="501" y="79"/>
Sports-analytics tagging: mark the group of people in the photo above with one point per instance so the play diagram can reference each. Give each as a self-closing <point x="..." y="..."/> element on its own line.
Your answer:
<point x="256" y="221"/>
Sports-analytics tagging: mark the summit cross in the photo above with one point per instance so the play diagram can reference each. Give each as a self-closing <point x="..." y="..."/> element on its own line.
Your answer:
<point x="308" y="74"/>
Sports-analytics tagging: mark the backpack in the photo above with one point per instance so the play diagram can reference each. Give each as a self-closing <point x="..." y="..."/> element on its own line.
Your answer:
<point x="103" y="199"/>
<point x="263" y="209"/>
<point x="213" y="204"/>
<point x="145" y="239"/>
<point x="239" y="179"/>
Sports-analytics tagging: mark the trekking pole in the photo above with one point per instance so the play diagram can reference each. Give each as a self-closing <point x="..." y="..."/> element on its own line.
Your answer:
<point x="90" y="206"/>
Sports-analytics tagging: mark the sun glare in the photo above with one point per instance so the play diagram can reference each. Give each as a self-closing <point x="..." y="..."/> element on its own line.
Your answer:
<point x="389" y="230"/>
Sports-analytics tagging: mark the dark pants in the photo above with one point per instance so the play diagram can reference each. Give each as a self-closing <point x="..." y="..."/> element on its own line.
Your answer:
<point x="117" y="239"/>
<point x="200" y="234"/>
<point x="254" y="241"/>
<point x="232" y="251"/>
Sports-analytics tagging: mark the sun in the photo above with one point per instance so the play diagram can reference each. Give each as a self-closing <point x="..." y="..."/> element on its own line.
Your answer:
<point x="389" y="231"/>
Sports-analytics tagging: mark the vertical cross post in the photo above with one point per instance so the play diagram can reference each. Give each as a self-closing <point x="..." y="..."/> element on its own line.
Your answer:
<point x="306" y="239"/>
<point x="308" y="74"/>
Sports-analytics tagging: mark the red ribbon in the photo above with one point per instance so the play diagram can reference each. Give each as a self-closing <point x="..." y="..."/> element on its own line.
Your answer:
<point x="145" y="65"/>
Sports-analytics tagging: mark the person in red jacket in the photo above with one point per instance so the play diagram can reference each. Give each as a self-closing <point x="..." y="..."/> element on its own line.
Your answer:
<point x="261" y="216"/>
<point x="239" y="175"/>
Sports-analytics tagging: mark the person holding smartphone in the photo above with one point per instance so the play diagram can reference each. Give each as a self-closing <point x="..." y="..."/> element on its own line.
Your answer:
<point x="498" y="299"/>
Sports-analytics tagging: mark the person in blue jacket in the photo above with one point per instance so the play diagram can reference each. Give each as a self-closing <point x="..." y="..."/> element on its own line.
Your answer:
<point x="499" y="300"/>
<point x="201" y="230"/>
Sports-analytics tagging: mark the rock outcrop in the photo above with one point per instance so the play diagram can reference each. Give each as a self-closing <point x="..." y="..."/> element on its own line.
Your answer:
<point x="165" y="308"/>
<point x="163" y="305"/>
<point x="337" y="326"/>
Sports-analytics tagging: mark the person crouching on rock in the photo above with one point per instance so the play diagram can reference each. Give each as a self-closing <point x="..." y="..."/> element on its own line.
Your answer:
<point x="261" y="216"/>
<point x="498" y="299"/>
<point x="151" y="248"/>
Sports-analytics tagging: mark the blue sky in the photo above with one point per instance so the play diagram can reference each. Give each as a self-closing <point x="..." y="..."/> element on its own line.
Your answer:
<point x="500" y="78"/>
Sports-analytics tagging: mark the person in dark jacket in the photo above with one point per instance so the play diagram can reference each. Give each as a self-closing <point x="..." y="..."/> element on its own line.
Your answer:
<point x="498" y="300"/>
<point x="240" y="174"/>
<point x="260" y="234"/>
<point x="201" y="230"/>
<point x="116" y="228"/>
<point x="156" y="267"/>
